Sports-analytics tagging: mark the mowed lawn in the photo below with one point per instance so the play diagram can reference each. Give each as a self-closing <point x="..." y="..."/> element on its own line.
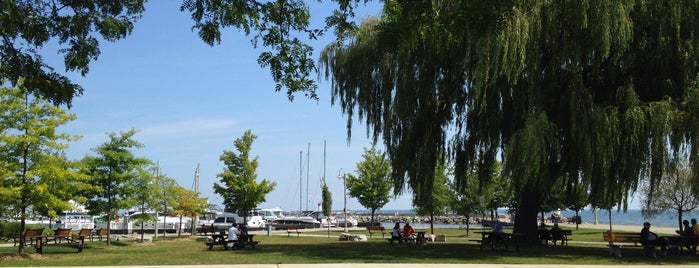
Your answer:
<point x="586" y="247"/>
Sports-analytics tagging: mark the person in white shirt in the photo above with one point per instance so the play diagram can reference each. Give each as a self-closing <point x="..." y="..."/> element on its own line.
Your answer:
<point x="233" y="233"/>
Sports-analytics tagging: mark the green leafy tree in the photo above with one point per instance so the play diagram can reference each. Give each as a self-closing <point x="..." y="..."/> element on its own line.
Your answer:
<point x="189" y="204"/>
<point x="593" y="91"/>
<point x="163" y="193"/>
<point x="327" y="202"/>
<point x="238" y="185"/>
<point x="672" y="195"/>
<point x="35" y="173"/>
<point x="436" y="200"/>
<point x="372" y="186"/>
<point x="77" y="26"/>
<point x="114" y="171"/>
<point x="144" y="197"/>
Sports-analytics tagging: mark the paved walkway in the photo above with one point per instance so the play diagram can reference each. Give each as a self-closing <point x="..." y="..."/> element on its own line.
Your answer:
<point x="387" y="265"/>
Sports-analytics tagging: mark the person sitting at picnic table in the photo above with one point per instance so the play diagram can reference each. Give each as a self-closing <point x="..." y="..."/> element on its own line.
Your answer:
<point x="497" y="227"/>
<point x="686" y="229"/>
<point x="408" y="231"/>
<point x="695" y="227"/>
<point x="395" y="234"/>
<point x="233" y="233"/>
<point x="649" y="238"/>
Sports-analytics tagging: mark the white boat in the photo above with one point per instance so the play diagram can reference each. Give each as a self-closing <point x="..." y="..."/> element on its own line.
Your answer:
<point x="271" y="214"/>
<point x="68" y="220"/>
<point x="351" y="221"/>
<point x="127" y="224"/>
<point x="307" y="219"/>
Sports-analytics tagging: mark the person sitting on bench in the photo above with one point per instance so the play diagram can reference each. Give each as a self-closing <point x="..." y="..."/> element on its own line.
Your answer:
<point x="233" y="233"/>
<point x="650" y="239"/>
<point x="408" y="232"/>
<point x="395" y="234"/>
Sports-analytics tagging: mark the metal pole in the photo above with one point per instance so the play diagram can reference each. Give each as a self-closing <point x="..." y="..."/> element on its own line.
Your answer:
<point x="344" y="191"/>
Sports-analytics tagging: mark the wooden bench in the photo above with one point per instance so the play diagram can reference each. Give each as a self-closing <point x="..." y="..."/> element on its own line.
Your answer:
<point x="373" y="229"/>
<point x="555" y="236"/>
<point x="102" y="232"/>
<point x="63" y="238"/>
<point x="625" y="237"/>
<point x="30" y="235"/>
<point x="292" y="229"/>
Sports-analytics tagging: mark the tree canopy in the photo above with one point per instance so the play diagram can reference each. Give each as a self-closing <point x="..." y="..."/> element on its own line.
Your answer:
<point x="372" y="185"/>
<point x="27" y="26"/>
<point x="598" y="92"/>
<point x="238" y="182"/>
<point x="34" y="172"/>
<point x="113" y="173"/>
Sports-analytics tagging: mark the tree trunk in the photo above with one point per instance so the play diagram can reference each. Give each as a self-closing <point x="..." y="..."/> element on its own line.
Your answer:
<point x="526" y="213"/>
<point x="431" y="223"/>
<point x="372" y="217"/>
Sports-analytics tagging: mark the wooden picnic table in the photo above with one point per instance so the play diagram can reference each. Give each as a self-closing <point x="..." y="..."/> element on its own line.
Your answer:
<point x="222" y="239"/>
<point x="495" y="239"/>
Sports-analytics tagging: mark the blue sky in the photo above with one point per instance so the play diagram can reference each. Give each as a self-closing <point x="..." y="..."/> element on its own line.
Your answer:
<point x="190" y="101"/>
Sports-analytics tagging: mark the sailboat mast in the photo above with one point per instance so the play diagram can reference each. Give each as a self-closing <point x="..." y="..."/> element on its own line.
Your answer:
<point x="308" y="169"/>
<point x="301" y="181"/>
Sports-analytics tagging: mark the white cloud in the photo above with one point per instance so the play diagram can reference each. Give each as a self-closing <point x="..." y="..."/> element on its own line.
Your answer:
<point x="192" y="126"/>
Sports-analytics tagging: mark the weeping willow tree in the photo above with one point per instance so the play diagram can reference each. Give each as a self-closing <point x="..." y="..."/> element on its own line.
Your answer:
<point x="598" y="93"/>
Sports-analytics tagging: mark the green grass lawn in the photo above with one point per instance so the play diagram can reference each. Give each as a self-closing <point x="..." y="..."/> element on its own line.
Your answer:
<point x="322" y="249"/>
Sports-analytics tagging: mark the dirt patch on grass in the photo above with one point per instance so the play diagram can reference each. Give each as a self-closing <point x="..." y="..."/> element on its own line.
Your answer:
<point x="23" y="256"/>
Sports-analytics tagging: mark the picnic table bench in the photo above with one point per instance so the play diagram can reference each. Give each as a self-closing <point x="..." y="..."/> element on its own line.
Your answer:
<point x="498" y="239"/>
<point x="206" y="229"/>
<point x="292" y="229"/>
<point x="221" y="239"/>
<point x="555" y="236"/>
<point x="62" y="238"/>
<point x="374" y="229"/>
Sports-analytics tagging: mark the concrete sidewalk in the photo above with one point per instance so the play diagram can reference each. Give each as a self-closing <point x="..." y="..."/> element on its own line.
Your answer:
<point x="385" y="265"/>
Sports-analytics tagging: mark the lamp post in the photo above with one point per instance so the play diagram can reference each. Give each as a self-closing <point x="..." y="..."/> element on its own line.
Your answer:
<point x="344" y="191"/>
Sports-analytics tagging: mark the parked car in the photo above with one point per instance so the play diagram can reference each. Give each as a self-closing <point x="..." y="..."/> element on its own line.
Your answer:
<point x="225" y="221"/>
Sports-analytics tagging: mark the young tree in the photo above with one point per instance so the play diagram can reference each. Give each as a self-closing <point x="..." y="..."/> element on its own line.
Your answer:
<point x="145" y="197"/>
<point x="188" y="203"/>
<point x="163" y="194"/>
<point x="35" y="173"/>
<point x="113" y="173"/>
<point x="27" y="26"/>
<point x="327" y="202"/>
<point x="673" y="194"/>
<point x="372" y="187"/>
<point x="433" y="199"/>
<point x="238" y="185"/>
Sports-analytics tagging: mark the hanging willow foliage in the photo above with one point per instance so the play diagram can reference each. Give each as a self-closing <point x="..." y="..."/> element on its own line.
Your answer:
<point x="602" y="92"/>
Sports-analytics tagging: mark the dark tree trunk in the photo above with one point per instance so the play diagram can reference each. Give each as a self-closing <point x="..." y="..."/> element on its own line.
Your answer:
<point x="526" y="213"/>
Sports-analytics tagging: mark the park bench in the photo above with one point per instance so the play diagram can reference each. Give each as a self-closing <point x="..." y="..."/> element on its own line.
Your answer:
<point x="30" y="235"/>
<point x="625" y="237"/>
<point x="555" y="236"/>
<point x="374" y="229"/>
<point x="292" y="229"/>
<point x="63" y="238"/>
<point x="102" y="232"/>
